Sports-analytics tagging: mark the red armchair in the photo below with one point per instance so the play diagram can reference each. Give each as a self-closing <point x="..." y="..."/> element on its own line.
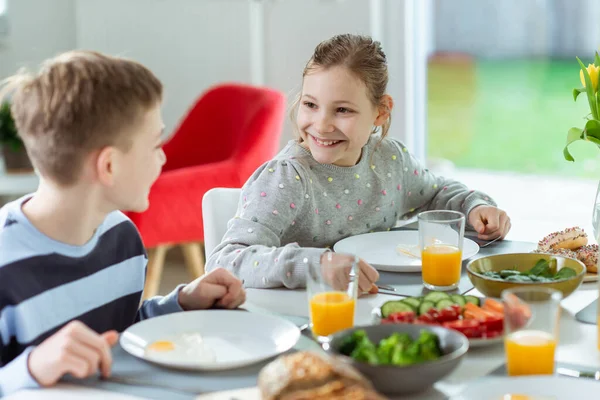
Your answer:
<point x="229" y="132"/>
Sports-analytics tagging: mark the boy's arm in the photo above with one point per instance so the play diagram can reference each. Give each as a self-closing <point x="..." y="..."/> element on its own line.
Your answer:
<point x="15" y="375"/>
<point x="160" y="305"/>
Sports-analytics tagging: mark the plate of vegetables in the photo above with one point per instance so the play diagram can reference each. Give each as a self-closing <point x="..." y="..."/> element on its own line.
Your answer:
<point x="495" y="273"/>
<point x="481" y="320"/>
<point x="397" y="349"/>
<point x="399" y="359"/>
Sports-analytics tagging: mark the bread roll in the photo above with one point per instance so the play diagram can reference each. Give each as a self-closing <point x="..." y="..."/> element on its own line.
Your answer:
<point x="312" y="376"/>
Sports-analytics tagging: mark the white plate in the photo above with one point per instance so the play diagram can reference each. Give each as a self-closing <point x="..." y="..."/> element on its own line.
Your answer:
<point x="538" y="387"/>
<point x="233" y="338"/>
<point x="380" y="249"/>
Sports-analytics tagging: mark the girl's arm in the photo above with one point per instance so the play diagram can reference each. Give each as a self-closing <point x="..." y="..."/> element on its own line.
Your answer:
<point x="425" y="191"/>
<point x="271" y="202"/>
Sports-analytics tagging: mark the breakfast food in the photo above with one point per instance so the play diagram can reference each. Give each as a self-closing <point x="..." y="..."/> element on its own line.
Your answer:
<point x="308" y="375"/>
<point x="187" y="347"/>
<point x="474" y="317"/>
<point x="570" y="238"/>
<point x="572" y="243"/>
<point x="559" y="252"/>
<point x="396" y="349"/>
<point x="589" y="256"/>
<point x="542" y="271"/>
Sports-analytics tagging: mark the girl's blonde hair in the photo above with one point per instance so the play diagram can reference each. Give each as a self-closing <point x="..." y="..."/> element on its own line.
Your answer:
<point x="363" y="57"/>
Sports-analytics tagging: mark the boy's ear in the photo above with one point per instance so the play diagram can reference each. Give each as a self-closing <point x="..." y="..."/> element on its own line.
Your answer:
<point x="105" y="166"/>
<point x="384" y="109"/>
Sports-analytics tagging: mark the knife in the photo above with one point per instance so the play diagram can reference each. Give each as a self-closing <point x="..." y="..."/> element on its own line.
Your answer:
<point x="578" y="374"/>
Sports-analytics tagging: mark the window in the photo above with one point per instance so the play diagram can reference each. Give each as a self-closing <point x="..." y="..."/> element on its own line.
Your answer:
<point x="3" y="18"/>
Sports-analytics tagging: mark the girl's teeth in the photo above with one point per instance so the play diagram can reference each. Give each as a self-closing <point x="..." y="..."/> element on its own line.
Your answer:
<point x="327" y="143"/>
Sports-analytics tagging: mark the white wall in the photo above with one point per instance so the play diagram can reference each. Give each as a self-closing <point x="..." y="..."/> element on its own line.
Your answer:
<point x="189" y="44"/>
<point x="38" y="29"/>
<point x="193" y="44"/>
<point x="197" y="43"/>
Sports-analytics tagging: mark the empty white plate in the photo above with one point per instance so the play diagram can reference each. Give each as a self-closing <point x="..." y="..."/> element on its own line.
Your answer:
<point x="380" y="249"/>
<point x="536" y="387"/>
<point x="209" y="339"/>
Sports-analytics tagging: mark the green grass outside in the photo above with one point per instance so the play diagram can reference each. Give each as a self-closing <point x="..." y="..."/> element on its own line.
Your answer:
<point x="508" y="116"/>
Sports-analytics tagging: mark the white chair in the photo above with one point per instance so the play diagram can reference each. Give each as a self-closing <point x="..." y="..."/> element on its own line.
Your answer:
<point x="218" y="207"/>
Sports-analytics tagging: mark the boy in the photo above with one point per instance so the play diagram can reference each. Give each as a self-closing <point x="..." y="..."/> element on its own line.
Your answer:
<point x="72" y="267"/>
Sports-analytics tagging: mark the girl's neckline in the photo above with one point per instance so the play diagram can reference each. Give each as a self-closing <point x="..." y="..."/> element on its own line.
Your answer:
<point x="364" y="158"/>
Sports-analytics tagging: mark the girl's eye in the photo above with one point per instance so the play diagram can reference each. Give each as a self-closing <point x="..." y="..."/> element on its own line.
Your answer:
<point x="343" y="110"/>
<point x="310" y="104"/>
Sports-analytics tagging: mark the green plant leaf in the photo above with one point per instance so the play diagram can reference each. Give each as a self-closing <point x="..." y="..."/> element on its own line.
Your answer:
<point x="589" y="89"/>
<point x="597" y="99"/>
<point x="577" y="92"/>
<point x="597" y="60"/>
<point x="573" y="135"/>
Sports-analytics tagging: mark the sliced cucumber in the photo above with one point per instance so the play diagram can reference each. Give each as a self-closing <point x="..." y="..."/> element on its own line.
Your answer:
<point x="473" y="300"/>
<point x="458" y="299"/>
<point x="426" y="306"/>
<point x="395" y="306"/>
<point x="436" y="296"/>
<point x="413" y="301"/>
<point x="444" y="303"/>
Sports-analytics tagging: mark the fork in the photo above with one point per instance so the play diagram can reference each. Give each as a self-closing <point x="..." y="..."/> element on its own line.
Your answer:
<point x="490" y="242"/>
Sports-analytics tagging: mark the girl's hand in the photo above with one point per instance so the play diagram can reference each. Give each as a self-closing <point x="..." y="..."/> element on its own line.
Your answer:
<point x="490" y="222"/>
<point x="336" y="268"/>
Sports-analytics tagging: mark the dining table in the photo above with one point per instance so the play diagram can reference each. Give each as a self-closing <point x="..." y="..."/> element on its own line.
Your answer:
<point x="577" y="348"/>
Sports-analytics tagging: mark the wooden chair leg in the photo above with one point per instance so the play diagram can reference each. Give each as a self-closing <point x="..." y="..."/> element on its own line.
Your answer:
<point x="156" y="262"/>
<point x="193" y="254"/>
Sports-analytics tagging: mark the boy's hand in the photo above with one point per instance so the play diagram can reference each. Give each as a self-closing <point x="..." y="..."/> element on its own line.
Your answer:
<point x="218" y="288"/>
<point x="490" y="222"/>
<point x="75" y="349"/>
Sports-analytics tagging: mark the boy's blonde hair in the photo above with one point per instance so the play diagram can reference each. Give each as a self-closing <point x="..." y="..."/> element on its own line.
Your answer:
<point x="363" y="57"/>
<point x="78" y="102"/>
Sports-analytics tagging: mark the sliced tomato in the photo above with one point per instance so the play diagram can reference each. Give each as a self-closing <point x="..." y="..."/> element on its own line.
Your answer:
<point x="404" y="316"/>
<point x="426" y="319"/>
<point x="448" y="314"/>
<point x="493" y="324"/>
<point x="457" y="309"/>
<point x="471" y="328"/>
<point x="434" y="313"/>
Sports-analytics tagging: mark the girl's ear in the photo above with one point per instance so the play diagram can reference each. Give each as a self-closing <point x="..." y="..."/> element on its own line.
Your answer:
<point x="384" y="109"/>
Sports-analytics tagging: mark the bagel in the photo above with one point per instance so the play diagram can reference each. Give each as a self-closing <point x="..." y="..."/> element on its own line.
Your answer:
<point x="570" y="238"/>
<point x="589" y="256"/>
<point x="559" y="252"/>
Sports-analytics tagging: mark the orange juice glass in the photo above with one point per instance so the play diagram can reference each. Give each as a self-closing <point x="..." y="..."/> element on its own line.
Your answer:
<point x="332" y="289"/>
<point x="531" y="318"/>
<point x="441" y="236"/>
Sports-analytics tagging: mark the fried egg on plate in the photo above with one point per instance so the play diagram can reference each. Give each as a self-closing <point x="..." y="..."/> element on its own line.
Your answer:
<point x="188" y="347"/>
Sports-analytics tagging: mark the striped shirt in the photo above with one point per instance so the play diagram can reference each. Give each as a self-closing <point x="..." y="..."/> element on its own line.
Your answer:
<point x="44" y="284"/>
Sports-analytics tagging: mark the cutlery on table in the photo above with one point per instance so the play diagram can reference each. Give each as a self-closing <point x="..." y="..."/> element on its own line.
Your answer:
<point x="578" y="374"/>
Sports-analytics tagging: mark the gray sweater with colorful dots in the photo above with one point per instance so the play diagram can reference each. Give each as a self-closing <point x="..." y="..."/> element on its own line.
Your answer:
<point x="292" y="208"/>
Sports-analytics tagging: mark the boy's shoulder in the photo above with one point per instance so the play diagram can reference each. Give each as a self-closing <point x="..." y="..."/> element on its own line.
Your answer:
<point x="20" y="240"/>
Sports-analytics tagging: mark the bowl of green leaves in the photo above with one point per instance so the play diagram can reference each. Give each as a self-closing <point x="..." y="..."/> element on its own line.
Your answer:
<point x="400" y="358"/>
<point x="493" y="274"/>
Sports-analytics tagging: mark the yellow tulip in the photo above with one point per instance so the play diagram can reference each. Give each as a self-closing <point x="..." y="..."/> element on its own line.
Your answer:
<point x="593" y="71"/>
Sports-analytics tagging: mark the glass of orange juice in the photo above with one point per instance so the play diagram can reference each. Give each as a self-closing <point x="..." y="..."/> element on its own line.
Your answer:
<point x="531" y="318"/>
<point x="332" y="290"/>
<point x="441" y="242"/>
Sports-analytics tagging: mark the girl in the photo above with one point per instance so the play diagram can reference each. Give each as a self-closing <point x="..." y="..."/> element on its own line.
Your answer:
<point x="342" y="177"/>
